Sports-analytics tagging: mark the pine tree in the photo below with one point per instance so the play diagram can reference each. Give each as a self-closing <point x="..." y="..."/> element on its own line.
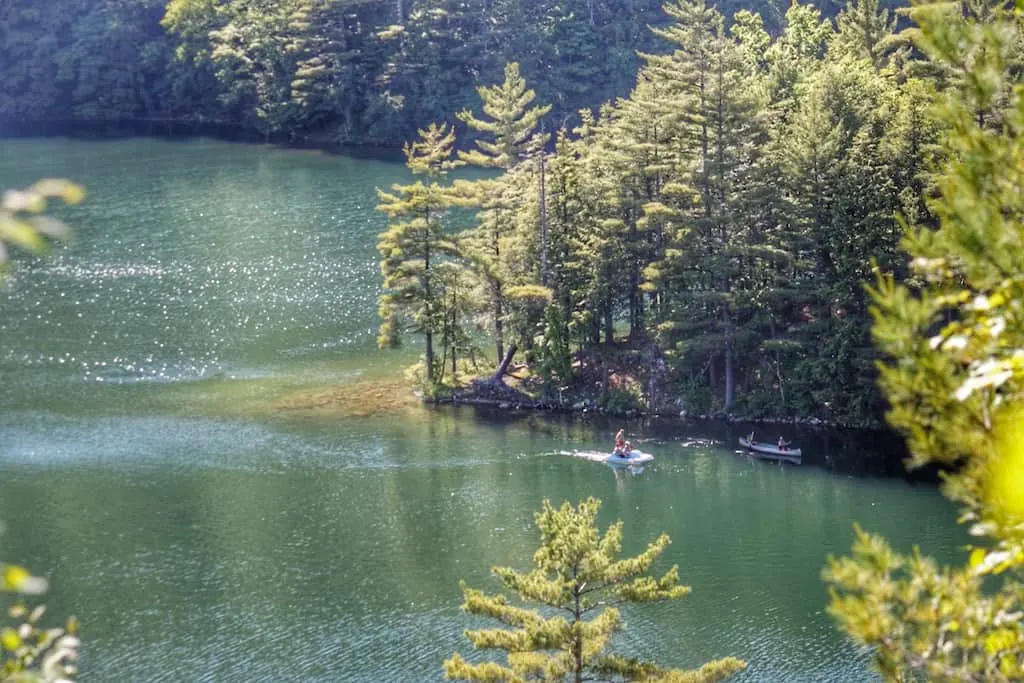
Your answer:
<point x="510" y="129"/>
<point x="638" y="141"/>
<point x="584" y="241"/>
<point x="253" y="62"/>
<point x="955" y="383"/>
<point x="436" y="56"/>
<point x="578" y="245"/>
<point x="705" y="275"/>
<point x="414" y="244"/>
<point x="580" y="580"/>
<point x="867" y="30"/>
<point x="510" y="123"/>
<point x="795" y="54"/>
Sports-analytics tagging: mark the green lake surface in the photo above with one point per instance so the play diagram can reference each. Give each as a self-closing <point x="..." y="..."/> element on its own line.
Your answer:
<point x="159" y="466"/>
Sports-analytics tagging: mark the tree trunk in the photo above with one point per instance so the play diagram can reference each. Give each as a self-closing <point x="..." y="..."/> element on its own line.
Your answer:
<point x="499" y="325"/>
<point x="430" y="357"/>
<point x="778" y="376"/>
<point x="454" y="363"/>
<point x="730" y="377"/>
<point x="543" y="225"/>
<point x="634" y="291"/>
<point x="500" y="372"/>
<point x="577" y="645"/>
<point x="594" y="331"/>
<point x="609" y="325"/>
<point x="429" y="296"/>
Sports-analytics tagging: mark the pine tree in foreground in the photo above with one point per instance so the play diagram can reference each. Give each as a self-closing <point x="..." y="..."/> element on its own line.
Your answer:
<point x="955" y="379"/>
<point x="579" y="581"/>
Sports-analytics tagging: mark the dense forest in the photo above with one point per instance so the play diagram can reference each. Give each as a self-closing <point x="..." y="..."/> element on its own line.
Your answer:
<point x="720" y="222"/>
<point x="709" y="188"/>
<point x="323" y="71"/>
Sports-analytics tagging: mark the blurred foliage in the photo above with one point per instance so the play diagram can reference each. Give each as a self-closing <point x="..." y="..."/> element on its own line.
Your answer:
<point x="23" y="219"/>
<point x="954" y="373"/>
<point x="29" y="652"/>
<point x="579" y="581"/>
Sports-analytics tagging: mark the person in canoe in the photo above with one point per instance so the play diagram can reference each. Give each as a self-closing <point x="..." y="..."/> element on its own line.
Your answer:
<point x="783" y="444"/>
<point x="620" y="442"/>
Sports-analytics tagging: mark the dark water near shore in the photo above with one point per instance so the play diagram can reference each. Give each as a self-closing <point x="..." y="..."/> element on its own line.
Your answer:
<point x="203" y="528"/>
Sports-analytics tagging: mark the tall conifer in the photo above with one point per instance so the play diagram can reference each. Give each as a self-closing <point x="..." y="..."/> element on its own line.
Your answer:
<point x="508" y="138"/>
<point x="705" y="273"/>
<point x="414" y="243"/>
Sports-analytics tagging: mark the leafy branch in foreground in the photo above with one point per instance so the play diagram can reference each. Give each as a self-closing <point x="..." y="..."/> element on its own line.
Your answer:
<point x="955" y="376"/>
<point x="23" y="222"/>
<point x="28" y="652"/>
<point x="579" y="580"/>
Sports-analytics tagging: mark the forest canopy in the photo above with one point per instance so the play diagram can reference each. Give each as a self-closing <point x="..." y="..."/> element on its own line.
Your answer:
<point x="719" y="223"/>
<point x="325" y="71"/>
<point x="709" y="186"/>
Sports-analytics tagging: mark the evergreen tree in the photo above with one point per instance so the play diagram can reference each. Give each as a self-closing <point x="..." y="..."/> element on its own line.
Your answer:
<point x="955" y="383"/>
<point x="585" y="244"/>
<point x="509" y="126"/>
<point x="794" y="55"/>
<point x="580" y="580"/>
<point x="254" y="62"/>
<point x="436" y="58"/>
<point x="639" y="139"/>
<point x="578" y="245"/>
<point x="510" y="129"/>
<point x="413" y="245"/>
<point x="867" y="30"/>
<point x="706" y="276"/>
<point x="458" y="304"/>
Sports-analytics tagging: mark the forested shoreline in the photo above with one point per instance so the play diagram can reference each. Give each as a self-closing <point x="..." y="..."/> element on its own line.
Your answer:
<point x="690" y="199"/>
<point x="703" y="244"/>
<point x="317" y="72"/>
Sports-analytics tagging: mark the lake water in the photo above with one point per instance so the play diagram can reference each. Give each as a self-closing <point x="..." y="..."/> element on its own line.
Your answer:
<point x="223" y="479"/>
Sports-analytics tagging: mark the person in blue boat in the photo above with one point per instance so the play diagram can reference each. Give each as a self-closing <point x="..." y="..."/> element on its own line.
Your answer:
<point x="783" y="444"/>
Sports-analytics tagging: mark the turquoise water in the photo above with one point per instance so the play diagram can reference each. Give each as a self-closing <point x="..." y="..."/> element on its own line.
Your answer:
<point x="203" y="528"/>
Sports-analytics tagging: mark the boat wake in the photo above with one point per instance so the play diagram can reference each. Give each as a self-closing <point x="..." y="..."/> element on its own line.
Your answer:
<point x="638" y="457"/>
<point x="595" y="456"/>
<point x="696" y="442"/>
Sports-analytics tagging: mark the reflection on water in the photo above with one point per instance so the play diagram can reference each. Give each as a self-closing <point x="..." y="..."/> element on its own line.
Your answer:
<point x="204" y="452"/>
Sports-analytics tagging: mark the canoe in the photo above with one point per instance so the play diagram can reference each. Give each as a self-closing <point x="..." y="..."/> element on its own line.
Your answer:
<point x="770" y="451"/>
<point x="635" y="458"/>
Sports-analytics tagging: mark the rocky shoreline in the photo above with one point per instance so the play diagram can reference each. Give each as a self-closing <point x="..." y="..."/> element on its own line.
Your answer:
<point x="500" y="396"/>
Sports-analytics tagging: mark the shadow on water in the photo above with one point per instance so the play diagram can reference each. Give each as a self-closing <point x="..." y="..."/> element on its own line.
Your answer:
<point x="851" y="452"/>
